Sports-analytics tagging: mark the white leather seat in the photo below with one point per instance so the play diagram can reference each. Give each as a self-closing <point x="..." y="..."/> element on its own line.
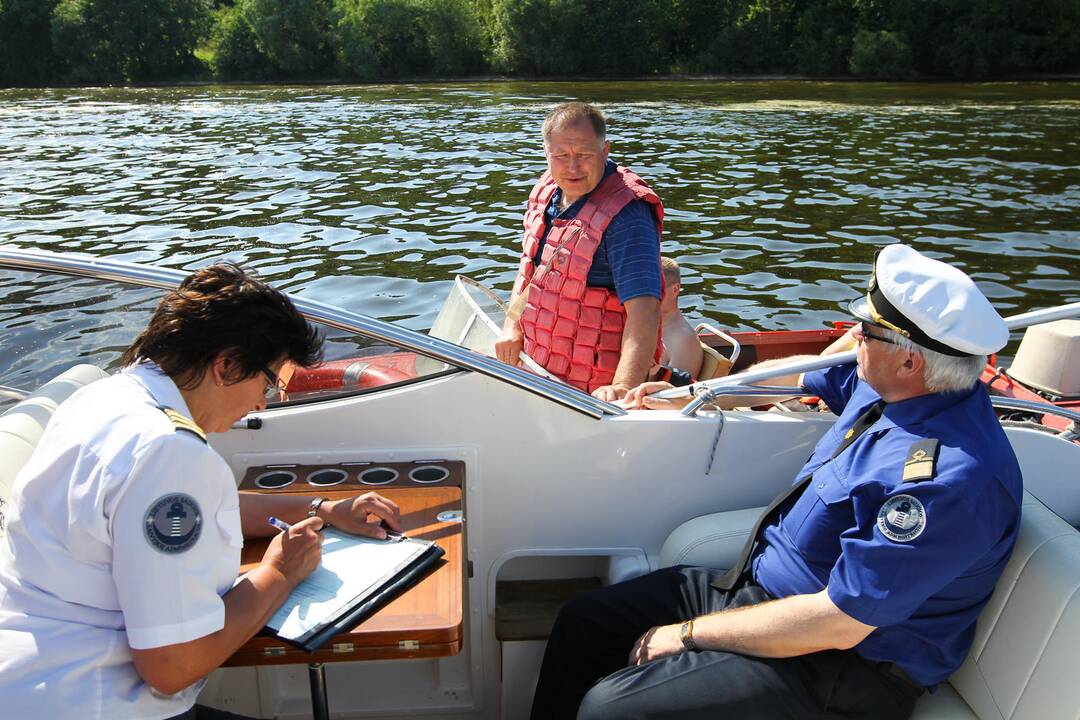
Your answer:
<point x="21" y="426"/>
<point x="1025" y="661"/>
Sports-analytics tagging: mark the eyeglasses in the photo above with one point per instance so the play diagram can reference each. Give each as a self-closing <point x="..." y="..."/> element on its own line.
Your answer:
<point x="275" y="386"/>
<point x="864" y="331"/>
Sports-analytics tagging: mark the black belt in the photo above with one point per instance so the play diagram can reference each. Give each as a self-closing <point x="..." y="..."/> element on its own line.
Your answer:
<point x="898" y="672"/>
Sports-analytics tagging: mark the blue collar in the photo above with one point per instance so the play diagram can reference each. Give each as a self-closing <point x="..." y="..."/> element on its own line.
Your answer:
<point x="918" y="409"/>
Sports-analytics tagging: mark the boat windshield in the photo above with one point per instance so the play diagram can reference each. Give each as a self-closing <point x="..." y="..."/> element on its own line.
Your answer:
<point x="62" y="310"/>
<point x="52" y="322"/>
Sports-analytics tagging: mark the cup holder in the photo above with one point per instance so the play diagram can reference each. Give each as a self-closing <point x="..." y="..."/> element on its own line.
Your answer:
<point x="327" y="477"/>
<point x="429" y="474"/>
<point x="378" y="476"/>
<point x="275" y="479"/>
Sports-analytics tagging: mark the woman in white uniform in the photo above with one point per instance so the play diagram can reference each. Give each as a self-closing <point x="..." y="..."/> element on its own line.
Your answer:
<point x="123" y="539"/>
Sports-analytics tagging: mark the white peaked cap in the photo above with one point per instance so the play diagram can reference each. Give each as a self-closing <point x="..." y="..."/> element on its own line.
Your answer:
<point x="930" y="302"/>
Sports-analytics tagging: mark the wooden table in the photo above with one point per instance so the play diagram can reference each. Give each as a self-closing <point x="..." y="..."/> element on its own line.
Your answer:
<point x="423" y="622"/>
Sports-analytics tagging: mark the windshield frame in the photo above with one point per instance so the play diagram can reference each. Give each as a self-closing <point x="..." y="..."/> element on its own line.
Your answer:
<point x="316" y="312"/>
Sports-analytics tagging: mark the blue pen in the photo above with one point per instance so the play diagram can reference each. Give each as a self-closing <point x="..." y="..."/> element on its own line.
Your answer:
<point x="279" y="524"/>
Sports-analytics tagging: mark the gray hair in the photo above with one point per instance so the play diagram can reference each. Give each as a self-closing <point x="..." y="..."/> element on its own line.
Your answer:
<point x="943" y="373"/>
<point x="572" y="113"/>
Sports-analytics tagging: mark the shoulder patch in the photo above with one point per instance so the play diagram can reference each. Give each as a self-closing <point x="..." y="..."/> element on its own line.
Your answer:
<point x="902" y="518"/>
<point x="182" y="422"/>
<point x="173" y="523"/>
<point x="921" y="462"/>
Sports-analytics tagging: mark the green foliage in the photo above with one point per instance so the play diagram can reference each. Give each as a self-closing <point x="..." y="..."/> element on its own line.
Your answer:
<point x="822" y="42"/>
<point x="122" y="41"/>
<point x="26" y="56"/>
<point x="296" y="35"/>
<point x="236" y="49"/>
<point x="578" y="37"/>
<point x="93" y="41"/>
<point x="882" y="54"/>
<point x="410" y="38"/>
<point x="745" y="37"/>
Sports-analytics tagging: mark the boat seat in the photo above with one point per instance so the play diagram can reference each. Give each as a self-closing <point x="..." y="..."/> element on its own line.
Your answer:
<point x="1025" y="661"/>
<point x="713" y="364"/>
<point x="21" y="425"/>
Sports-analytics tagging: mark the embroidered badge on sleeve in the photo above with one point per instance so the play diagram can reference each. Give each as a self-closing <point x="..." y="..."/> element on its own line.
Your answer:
<point x="902" y="518"/>
<point x="173" y="523"/>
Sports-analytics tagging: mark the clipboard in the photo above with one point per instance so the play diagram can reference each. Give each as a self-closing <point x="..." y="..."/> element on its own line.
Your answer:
<point x="360" y="596"/>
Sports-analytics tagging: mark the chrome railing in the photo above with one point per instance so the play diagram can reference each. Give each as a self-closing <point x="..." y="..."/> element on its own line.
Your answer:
<point x="705" y="395"/>
<point x="442" y="350"/>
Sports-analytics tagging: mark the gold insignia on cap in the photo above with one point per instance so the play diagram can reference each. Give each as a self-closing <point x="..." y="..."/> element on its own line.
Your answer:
<point x="184" y="423"/>
<point x="921" y="461"/>
<point x="878" y="319"/>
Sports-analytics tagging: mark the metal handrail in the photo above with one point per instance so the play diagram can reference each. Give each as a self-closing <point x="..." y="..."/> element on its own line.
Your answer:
<point x="442" y="350"/>
<point x="1014" y="322"/>
<point x="704" y="395"/>
<point x="1010" y="403"/>
<point x="736" y="347"/>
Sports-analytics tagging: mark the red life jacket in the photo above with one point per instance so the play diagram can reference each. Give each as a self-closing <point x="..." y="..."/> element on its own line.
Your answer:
<point x="575" y="331"/>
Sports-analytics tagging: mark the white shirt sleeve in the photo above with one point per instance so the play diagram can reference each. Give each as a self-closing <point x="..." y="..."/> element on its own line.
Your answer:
<point x="168" y="542"/>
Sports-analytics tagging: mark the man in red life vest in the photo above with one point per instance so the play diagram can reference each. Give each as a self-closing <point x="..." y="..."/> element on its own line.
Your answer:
<point x="590" y="266"/>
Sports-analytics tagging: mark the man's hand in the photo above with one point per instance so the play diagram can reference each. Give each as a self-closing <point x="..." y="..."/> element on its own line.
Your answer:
<point x="659" y="642"/>
<point x="510" y="344"/>
<point x="638" y="398"/>
<point x="353" y="515"/>
<point x="611" y="393"/>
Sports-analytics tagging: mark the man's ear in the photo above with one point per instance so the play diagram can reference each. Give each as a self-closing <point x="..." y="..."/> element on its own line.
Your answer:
<point x="913" y="366"/>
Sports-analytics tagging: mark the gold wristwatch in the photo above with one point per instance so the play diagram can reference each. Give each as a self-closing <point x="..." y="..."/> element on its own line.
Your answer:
<point x="686" y="634"/>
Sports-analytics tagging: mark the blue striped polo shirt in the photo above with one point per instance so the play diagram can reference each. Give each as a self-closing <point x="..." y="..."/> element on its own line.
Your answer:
<point x="628" y="258"/>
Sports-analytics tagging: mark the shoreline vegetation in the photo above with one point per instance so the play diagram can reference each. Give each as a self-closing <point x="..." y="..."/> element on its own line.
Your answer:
<point x="194" y="42"/>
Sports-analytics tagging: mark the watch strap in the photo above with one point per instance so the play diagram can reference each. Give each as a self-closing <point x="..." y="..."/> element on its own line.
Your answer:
<point x="686" y="635"/>
<point x="313" y="508"/>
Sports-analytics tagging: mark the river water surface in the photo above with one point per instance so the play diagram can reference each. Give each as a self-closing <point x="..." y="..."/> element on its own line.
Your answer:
<point x="374" y="197"/>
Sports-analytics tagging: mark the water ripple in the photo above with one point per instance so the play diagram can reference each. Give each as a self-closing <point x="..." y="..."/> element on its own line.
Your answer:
<point x="374" y="197"/>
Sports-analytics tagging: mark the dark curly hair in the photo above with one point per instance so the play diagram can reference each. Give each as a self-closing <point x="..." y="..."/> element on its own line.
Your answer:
<point x="221" y="309"/>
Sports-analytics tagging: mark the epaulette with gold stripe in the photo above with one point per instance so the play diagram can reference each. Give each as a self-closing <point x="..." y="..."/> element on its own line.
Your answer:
<point x="182" y="422"/>
<point x="921" y="460"/>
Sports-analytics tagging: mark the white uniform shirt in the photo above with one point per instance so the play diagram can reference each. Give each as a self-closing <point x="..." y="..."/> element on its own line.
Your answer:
<point x="122" y="532"/>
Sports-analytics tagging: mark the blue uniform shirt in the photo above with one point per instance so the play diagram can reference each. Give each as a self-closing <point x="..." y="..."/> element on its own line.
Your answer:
<point x="627" y="259"/>
<point x="918" y="559"/>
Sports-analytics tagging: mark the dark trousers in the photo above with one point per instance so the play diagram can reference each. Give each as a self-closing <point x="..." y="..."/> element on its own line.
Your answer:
<point x="203" y="712"/>
<point x="586" y="663"/>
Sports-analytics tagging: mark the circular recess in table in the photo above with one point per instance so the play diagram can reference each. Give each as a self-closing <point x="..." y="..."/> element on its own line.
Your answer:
<point x="326" y="477"/>
<point x="275" y="479"/>
<point x="378" y="476"/>
<point x="429" y="474"/>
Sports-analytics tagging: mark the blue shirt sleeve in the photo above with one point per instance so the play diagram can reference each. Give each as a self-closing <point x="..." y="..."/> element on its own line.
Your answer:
<point x="882" y="581"/>
<point x="631" y="246"/>
<point x="835" y="385"/>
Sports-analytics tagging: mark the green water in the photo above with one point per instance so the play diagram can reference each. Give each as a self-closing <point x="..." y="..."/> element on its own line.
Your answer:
<point x="374" y="197"/>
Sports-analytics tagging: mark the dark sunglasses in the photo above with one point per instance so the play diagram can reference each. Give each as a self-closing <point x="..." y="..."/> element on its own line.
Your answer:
<point x="275" y="388"/>
<point x="864" y="330"/>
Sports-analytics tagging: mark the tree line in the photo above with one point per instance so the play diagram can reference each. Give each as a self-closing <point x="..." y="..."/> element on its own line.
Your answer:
<point x="46" y="42"/>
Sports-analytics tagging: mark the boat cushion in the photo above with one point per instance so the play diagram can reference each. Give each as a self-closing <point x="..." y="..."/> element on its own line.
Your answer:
<point x="21" y="426"/>
<point x="1024" y="663"/>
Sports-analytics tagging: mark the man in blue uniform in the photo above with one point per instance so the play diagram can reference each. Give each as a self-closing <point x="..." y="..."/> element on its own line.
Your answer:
<point x="862" y="583"/>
